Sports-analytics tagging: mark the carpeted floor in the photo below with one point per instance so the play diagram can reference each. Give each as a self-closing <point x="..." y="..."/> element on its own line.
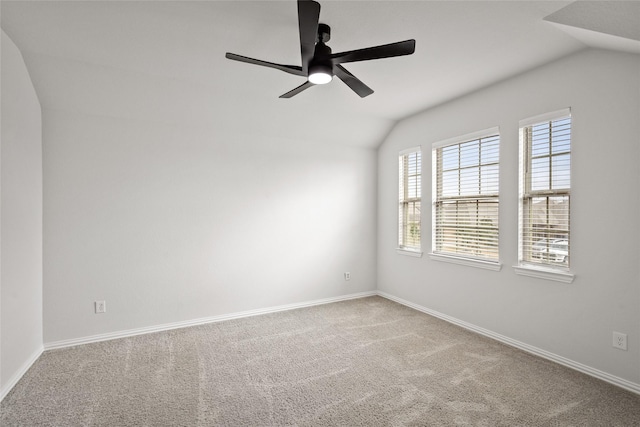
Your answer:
<point x="364" y="362"/>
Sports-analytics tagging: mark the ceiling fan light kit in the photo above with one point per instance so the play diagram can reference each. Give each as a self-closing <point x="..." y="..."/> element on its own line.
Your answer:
<point x="320" y="74"/>
<point x="319" y="64"/>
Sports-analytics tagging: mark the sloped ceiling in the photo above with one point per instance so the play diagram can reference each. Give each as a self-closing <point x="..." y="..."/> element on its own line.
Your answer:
<point x="607" y="25"/>
<point x="164" y="61"/>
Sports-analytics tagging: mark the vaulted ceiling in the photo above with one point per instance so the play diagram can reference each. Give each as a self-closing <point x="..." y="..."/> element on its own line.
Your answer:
<point x="165" y="61"/>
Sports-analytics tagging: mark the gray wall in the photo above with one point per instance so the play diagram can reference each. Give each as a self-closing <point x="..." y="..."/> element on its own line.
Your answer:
<point x="21" y="220"/>
<point x="576" y="320"/>
<point x="170" y="223"/>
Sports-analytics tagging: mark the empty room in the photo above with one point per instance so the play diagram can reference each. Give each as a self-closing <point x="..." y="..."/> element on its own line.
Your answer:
<point x="320" y="213"/>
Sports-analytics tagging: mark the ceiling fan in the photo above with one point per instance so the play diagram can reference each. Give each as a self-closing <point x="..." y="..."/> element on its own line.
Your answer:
<point x="319" y="64"/>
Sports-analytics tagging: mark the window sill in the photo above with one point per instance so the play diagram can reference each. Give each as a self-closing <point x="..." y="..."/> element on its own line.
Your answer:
<point x="470" y="262"/>
<point x="544" y="273"/>
<point x="409" y="252"/>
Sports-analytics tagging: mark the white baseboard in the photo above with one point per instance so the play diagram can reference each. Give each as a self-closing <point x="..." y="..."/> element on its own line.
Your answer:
<point x="201" y="321"/>
<point x="612" y="379"/>
<point x="23" y="370"/>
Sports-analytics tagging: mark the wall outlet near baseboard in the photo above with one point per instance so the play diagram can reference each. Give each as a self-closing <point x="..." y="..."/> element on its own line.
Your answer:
<point x="347" y="276"/>
<point x="101" y="306"/>
<point x="620" y="340"/>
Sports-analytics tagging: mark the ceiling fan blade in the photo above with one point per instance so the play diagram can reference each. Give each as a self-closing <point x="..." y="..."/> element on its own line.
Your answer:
<point x="297" y="90"/>
<point x="406" y="47"/>
<point x="352" y="81"/>
<point x="291" y="69"/>
<point x="308" y="17"/>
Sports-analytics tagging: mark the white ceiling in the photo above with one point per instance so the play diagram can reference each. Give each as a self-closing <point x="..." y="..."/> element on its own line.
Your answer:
<point x="164" y="61"/>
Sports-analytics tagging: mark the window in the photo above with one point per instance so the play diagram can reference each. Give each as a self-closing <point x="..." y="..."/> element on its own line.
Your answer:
<point x="465" y="196"/>
<point x="545" y="187"/>
<point x="410" y="191"/>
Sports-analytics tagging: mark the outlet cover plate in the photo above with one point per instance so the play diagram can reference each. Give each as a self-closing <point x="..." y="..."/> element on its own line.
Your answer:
<point x="101" y="306"/>
<point x="620" y="340"/>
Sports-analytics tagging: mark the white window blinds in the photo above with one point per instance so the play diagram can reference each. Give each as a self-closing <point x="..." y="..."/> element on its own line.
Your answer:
<point x="410" y="192"/>
<point x="545" y="187"/>
<point x="465" y="196"/>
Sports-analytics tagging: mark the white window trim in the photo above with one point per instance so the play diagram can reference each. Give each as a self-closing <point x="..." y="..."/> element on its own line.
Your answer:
<point x="541" y="272"/>
<point x="457" y="259"/>
<point x="413" y="252"/>
<point x="409" y="252"/>
<point x="467" y="137"/>
<point x="546" y="117"/>
<point x="410" y="150"/>
<point x="469" y="262"/>
<point x="558" y="274"/>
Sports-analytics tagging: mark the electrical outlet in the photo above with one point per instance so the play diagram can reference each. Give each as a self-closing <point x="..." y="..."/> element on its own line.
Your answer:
<point x="101" y="306"/>
<point x="620" y="340"/>
<point x="347" y="276"/>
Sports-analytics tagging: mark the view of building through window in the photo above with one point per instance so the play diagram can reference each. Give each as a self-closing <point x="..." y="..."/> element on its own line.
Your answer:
<point x="544" y="234"/>
<point x="466" y="194"/>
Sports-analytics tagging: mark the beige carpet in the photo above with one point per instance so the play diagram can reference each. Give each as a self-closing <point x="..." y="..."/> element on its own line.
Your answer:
<point x="365" y="362"/>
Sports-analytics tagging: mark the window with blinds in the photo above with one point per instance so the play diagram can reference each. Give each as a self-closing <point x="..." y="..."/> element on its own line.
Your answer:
<point x="465" y="196"/>
<point x="410" y="191"/>
<point x="545" y="187"/>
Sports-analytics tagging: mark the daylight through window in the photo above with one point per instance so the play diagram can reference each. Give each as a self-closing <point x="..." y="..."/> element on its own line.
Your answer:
<point x="545" y="189"/>
<point x="410" y="191"/>
<point x="465" y="196"/>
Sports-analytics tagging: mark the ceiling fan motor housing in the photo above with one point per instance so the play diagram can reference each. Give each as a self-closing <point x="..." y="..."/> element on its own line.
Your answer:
<point x="321" y="59"/>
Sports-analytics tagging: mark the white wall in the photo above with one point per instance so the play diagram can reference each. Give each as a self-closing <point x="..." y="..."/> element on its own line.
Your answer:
<point x="575" y="320"/>
<point x="174" y="223"/>
<point x="21" y="220"/>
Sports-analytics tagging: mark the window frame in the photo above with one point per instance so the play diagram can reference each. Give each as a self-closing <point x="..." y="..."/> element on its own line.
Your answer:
<point x="404" y="201"/>
<point x="526" y="265"/>
<point x="457" y="258"/>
